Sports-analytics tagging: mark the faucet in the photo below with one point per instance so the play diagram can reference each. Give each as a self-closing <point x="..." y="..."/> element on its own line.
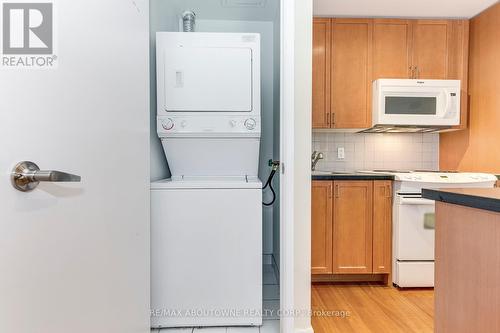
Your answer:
<point x="315" y="157"/>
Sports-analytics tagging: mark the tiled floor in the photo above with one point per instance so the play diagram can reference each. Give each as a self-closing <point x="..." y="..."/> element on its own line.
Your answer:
<point x="271" y="303"/>
<point x="268" y="326"/>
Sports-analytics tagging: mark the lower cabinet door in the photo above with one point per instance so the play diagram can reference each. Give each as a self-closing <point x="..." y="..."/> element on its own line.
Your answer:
<point x="382" y="226"/>
<point x="321" y="228"/>
<point x="352" y="227"/>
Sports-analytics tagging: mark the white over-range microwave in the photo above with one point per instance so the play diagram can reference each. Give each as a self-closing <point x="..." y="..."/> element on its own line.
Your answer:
<point x="401" y="105"/>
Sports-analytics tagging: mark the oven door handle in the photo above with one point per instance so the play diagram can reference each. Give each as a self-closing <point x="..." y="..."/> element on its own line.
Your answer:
<point x="415" y="201"/>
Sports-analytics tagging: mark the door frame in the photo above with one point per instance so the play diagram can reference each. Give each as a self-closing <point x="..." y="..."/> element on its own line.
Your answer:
<point x="295" y="180"/>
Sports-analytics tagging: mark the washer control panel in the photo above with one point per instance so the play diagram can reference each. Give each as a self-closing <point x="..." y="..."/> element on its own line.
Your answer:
<point x="208" y="124"/>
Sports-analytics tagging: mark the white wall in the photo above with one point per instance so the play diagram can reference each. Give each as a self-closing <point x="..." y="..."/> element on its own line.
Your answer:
<point x="296" y="87"/>
<point x="277" y="132"/>
<point x="302" y="163"/>
<point x="377" y="151"/>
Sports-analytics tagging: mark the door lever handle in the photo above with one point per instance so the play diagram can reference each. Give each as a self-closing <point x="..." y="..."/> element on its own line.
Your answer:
<point x="27" y="175"/>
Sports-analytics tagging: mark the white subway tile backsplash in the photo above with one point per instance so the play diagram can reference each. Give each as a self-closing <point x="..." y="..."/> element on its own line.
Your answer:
<point x="377" y="151"/>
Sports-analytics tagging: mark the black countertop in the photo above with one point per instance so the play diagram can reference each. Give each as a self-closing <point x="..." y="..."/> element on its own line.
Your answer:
<point x="323" y="175"/>
<point x="481" y="198"/>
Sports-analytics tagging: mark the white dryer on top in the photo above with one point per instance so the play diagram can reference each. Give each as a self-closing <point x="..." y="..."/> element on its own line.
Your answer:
<point x="208" y="97"/>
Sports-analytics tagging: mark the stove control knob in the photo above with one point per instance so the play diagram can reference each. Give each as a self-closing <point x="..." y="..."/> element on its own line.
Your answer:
<point x="167" y="124"/>
<point x="232" y="123"/>
<point x="250" y="123"/>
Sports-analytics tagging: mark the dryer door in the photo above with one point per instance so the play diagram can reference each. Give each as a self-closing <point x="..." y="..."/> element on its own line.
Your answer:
<point x="208" y="79"/>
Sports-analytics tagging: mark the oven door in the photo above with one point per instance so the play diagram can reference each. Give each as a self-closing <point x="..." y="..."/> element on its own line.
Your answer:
<point x="414" y="228"/>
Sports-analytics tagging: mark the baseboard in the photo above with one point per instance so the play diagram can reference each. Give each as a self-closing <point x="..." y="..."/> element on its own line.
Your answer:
<point x="349" y="278"/>
<point x="305" y="330"/>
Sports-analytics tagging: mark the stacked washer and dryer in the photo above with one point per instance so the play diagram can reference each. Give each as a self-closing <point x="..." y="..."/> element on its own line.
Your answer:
<point x="206" y="222"/>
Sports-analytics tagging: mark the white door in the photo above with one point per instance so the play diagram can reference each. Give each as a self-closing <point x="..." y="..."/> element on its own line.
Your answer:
<point x="219" y="77"/>
<point x="74" y="257"/>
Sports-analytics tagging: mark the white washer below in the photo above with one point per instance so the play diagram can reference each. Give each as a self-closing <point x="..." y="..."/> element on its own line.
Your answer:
<point x="206" y="244"/>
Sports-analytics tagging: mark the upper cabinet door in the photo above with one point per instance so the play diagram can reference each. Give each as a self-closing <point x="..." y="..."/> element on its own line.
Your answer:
<point x="351" y="73"/>
<point x="321" y="73"/>
<point x="430" y="48"/>
<point x="391" y="49"/>
<point x="458" y="63"/>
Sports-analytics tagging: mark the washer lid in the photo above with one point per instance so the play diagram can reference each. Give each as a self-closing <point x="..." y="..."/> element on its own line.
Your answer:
<point x="203" y="182"/>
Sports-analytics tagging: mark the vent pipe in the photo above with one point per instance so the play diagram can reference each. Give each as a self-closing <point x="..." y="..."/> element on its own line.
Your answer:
<point x="188" y="21"/>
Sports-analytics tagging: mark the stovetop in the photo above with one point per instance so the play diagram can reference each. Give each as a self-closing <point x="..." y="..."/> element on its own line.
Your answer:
<point x="436" y="177"/>
<point x="412" y="171"/>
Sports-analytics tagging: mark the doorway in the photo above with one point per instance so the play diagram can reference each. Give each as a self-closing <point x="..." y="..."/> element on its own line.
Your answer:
<point x="223" y="16"/>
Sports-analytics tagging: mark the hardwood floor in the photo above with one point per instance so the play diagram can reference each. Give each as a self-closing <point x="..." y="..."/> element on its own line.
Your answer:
<point x="371" y="308"/>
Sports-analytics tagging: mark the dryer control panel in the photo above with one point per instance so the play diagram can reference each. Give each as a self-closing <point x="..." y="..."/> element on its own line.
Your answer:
<point x="208" y="125"/>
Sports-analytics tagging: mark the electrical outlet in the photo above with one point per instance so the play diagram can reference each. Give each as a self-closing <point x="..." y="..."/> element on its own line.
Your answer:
<point x="340" y="153"/>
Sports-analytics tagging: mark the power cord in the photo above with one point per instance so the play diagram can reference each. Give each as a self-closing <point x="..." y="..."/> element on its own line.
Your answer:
<point x="275" y="166"/>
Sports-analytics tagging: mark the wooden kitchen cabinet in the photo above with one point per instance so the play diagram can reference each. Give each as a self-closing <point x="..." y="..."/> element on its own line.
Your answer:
<point x="351" y="227"/>
<point x="321" y="73"/>
<point x="458" y="65"/>
<point x="431" y="49"/>
<point x="382" y="226"/>
<point x="420" y="49"/>
<point x="423" y="49"/>
<point x="321" y="228"/>
<point x="363" y="50"/>
<point x="392" y="48"/>
<point x="351" y="73"/>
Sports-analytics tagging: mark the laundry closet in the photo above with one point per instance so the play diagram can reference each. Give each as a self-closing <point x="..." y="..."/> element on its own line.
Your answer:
<point x="215" y="141"/>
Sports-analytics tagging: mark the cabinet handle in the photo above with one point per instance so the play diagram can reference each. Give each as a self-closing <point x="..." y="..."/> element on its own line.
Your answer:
<point x="333" y="119"/>
<point x="389" y="191"/>
<point x="328" y="119"/>
<point x="337" y="194"/>
<point x="412" y="72"/>
<point x="418" y="72"/>
<point x="330" y="191"/>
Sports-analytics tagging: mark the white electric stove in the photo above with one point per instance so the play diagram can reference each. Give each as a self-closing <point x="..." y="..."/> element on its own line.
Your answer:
<point x="413" y="220"/>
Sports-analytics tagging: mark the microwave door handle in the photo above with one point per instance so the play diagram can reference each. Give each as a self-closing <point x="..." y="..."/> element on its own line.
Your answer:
<point x="446" y="103"/>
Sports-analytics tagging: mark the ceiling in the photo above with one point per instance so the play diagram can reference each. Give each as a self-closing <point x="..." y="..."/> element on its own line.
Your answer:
<point x="245" y="10"/>
<point x="401" y="8"/>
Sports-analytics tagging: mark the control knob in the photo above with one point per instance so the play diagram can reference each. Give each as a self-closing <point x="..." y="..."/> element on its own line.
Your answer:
<point x="167" y="124"/>
<point x="250" y="123"/>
